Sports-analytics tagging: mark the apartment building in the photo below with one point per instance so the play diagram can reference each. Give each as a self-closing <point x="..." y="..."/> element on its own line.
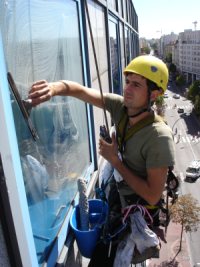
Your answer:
<point x="167" y="43"/>
<point x="189" y="54"/>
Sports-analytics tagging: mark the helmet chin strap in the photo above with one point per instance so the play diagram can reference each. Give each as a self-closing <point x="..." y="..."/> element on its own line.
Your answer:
<point x="137" y="114"/>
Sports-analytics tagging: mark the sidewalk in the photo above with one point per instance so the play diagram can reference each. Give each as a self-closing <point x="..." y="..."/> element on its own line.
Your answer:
<point x="169" y="250"/>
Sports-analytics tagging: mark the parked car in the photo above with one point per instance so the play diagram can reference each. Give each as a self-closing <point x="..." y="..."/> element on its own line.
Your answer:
<point x="193" y="171"/>
<point x="177" y="96"/>
<point x="165" y="95"/>
<point x="180" y="110"/>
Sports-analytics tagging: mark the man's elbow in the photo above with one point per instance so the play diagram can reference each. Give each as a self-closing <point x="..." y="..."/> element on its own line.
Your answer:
<point x="153" y="200"/>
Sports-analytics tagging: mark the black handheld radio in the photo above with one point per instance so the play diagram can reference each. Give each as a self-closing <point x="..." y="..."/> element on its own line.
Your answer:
<point x="104" y="134"/>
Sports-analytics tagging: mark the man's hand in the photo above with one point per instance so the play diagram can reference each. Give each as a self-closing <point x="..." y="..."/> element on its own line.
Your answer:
<point x="109" y="151"/>
<point x="40" y="92"/>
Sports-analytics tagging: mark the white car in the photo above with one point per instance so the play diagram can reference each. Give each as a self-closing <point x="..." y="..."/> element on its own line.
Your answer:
<point x="165" y="95"/>
<point x="177" y="96"/>
<point x="193" y="170"/>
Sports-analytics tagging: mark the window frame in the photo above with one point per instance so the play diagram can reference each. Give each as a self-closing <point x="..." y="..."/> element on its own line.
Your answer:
<point x="13" y="171"/>
<point x="113" y="19"/>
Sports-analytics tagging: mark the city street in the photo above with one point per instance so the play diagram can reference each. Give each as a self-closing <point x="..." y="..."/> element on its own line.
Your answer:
<point x="186" y="131"/>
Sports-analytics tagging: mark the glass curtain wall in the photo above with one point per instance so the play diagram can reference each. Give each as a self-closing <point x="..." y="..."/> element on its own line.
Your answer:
<point x="121" y="27"/>
<point x="115" y="56"/>
<point x="97" y="18"/>
<point x="42" y="41"/>
<point x="127" y="46"/>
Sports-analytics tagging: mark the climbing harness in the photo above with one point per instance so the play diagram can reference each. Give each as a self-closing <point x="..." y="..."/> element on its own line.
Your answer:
<point x="123" y="135"/>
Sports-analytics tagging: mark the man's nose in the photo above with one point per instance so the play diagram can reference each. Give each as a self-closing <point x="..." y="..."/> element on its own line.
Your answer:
<point x="128" y="88"/>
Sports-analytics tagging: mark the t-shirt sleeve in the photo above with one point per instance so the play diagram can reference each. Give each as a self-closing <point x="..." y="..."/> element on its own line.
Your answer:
<point x="114" y="105"/>
<point x="160" y="151"/>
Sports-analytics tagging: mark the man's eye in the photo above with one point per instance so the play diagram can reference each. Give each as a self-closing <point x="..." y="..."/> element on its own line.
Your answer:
<point x="136" y="84"/>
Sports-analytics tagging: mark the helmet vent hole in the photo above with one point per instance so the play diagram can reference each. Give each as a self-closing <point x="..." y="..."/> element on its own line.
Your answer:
<point x="154" y="69"/>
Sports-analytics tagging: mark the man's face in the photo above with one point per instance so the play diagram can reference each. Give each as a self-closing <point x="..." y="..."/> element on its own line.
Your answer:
<point x="135" y="91"/>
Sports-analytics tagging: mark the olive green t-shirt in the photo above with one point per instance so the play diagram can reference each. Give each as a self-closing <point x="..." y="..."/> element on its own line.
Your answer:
<point x="150" y="147"/>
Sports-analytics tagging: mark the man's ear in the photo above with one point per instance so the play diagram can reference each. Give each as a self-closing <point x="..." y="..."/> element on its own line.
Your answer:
<point x="155" y="94"/>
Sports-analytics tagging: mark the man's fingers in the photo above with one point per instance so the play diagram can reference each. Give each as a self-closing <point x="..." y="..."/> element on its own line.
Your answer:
<point x="39" y="85"/>
<point x="40" y="82"/>
<point x="113" y="138"/>
<point x="39" y="93"/>
<point x="41" y="99"/>
<point x="40" y="96"/>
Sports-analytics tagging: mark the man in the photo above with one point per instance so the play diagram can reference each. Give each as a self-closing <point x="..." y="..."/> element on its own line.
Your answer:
<point x="147" y="153"/>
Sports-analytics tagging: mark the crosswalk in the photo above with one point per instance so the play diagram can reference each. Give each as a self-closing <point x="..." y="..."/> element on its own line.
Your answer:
<point x="186" y="139"/>
<point x="182" y="176"/>
<point x="185" y="107"/>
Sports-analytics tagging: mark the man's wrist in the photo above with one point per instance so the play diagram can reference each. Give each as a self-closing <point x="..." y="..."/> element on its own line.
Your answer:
<point x="66" y="85"/>
<point x="116" y="163"/>
<point x="52" y="87"/>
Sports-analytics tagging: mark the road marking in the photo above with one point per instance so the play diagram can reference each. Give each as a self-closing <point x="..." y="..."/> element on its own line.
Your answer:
<point x="186" y="107"/>
<point x="182" y="177"/>
<point x="186" y="139"/>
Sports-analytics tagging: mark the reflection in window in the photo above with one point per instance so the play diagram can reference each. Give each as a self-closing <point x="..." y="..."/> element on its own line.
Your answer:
<point x="97" y="18"/>
<point x="112" y="4"/>
<point x="127" y="47"/>
<point x="121" y="27"/>
<point x="115" y="52"/>
<point x="42" y="41"/>
<point x="125" y="9"/>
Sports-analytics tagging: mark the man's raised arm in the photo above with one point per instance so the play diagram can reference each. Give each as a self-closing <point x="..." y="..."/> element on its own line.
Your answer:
<point x="42" y="91"/>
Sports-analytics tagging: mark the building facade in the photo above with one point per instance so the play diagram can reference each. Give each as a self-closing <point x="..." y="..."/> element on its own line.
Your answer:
<point x="189" y="54"/>
<point x="44" y="150"/>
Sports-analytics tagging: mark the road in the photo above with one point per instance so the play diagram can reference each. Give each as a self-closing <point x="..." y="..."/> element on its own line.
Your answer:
<point x="186" y="131"/>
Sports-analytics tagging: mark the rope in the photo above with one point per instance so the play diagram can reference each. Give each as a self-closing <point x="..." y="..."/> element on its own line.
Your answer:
<point x="141" y="208"/>
<point x="96" y="64"/>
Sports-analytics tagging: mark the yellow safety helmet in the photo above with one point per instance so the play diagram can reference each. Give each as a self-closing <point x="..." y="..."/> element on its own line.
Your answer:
<point x="151" y="68"/>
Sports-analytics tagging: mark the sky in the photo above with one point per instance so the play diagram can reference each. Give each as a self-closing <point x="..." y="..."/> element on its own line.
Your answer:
<point x="161" y="17"/>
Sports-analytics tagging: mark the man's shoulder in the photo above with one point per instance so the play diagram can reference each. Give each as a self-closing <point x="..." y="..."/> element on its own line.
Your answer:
<point x="113" y="97"/>
<point x="115" y="105"/>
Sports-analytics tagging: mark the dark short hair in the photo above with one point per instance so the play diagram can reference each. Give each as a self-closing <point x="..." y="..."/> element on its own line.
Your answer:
<point x="152" y="86"/>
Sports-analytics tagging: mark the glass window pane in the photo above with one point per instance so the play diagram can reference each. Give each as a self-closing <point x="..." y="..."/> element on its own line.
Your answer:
<point x="127" y="47"/>
<point x="115" y="54"/>
<point x="112" y="4"/>
<point x="122" y="48"/>
<point x="125" y="9"/>
<point x="42" y="41"/>
<point x="97" y="18"/>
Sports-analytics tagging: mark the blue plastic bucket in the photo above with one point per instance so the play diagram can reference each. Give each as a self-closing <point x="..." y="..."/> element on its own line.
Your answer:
<point x="87" y="240"/>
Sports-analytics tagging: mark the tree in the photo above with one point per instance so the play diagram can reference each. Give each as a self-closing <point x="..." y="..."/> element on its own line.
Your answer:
<point x="154" y="46"/>
<point x="193" y="91"/>
<point x="145" y="50"/>
<point x="186" y="211"/>
<point x="169" y="58"/>
<point x="172" y="68"/>
<point x="197" y="104"/>
<point x="193" y="94"/>
<point x="160" y="105"/>
<point x="180" y="80"/>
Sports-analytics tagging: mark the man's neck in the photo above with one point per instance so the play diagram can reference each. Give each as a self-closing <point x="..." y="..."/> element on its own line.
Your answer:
<point x="134" y="120"/>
